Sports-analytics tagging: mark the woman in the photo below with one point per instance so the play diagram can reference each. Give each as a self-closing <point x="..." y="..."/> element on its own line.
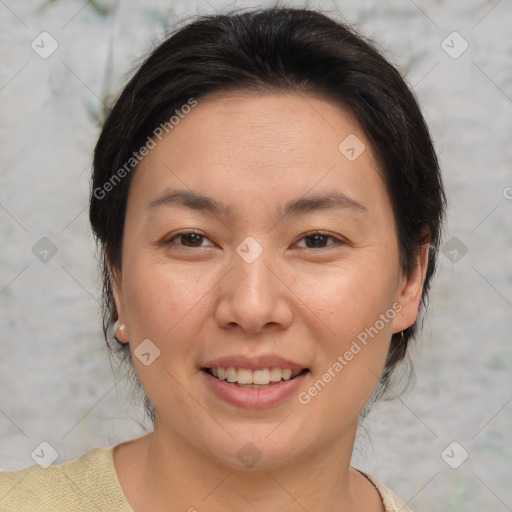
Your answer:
<point x="269" y="205"/>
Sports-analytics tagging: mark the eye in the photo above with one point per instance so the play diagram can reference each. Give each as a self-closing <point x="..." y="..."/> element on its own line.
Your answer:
<point x="191" y="239"/>
<point x="317" y="240"/>
<point x="194" y="239"/>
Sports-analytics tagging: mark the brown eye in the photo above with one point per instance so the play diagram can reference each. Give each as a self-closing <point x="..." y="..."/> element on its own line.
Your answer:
<point x="189" y="239"/>
<point x="318" y="240"/>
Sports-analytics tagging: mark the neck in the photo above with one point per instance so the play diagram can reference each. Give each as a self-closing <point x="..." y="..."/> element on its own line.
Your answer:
<point x="174" y="475"/>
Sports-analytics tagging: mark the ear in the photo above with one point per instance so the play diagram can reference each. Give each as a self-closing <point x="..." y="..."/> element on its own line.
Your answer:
<point x="411" y="289"/>
<point x="116" y="282"/>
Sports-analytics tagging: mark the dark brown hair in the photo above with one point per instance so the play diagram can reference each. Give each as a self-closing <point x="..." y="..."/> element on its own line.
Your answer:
<point x="271" y="50"/>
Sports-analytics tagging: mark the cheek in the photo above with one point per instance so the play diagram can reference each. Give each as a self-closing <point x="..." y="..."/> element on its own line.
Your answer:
<point x="350" y="297"/>
<point x="353" y="331"/>
<point x="163" y="305"/>
<point x="158" y="296"/>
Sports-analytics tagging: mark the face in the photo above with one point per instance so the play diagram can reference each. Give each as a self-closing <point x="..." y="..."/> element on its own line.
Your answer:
<point x="290" y="267"/>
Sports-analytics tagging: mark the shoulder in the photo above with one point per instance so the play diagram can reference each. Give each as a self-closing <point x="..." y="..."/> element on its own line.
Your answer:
<point x="392" y="503"/>
<point x="86" y="483"/>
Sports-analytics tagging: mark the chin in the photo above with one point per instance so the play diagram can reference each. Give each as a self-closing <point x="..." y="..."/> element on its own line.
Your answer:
<point x="258" y="447"/>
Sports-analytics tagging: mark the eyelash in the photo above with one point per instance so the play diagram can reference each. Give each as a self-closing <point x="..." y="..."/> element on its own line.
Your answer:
<point x="307" y="235"/>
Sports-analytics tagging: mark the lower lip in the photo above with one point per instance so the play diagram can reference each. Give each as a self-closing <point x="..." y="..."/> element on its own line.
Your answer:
<point x="254" y="398"/>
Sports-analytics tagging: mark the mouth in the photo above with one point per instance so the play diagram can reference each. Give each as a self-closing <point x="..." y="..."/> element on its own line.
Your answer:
<point x="254" y="379"/>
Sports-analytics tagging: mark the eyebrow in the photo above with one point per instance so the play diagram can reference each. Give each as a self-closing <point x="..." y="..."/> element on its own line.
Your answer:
<point x="301" y="205"/>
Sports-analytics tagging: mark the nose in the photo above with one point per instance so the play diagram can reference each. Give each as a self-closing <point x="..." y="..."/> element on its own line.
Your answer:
<point x="255" y="297"/>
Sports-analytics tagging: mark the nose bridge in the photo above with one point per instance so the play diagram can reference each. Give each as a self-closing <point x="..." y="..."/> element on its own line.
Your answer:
<point x="252" y="277"/>
<point x="251" y="295"/>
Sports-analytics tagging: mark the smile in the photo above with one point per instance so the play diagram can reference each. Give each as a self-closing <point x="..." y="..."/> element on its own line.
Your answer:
<point x="260" y="388"/>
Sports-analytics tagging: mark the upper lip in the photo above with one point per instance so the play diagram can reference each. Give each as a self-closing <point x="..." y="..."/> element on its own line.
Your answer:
<point x="253" y="363"/>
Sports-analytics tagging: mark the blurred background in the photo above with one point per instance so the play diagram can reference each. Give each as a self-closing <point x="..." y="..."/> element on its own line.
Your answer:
<point x="445" y="444"/>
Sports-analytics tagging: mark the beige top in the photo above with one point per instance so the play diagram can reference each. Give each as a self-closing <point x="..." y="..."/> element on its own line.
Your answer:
<point x="89" y="483"/>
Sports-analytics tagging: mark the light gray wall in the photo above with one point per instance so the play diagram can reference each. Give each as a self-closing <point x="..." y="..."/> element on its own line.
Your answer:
<point x="56" y="383"/>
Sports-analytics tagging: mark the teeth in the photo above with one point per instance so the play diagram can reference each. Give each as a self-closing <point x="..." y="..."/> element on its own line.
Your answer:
<point x="244" y="376"/>
<point x="231" y="375"/>
<point x="275" y="374"/>
<point x="262" y="377"/>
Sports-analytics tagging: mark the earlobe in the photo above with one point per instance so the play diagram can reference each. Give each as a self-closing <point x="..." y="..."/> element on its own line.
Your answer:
<point x="119" y="333"/>
<point x="119" y="329"/>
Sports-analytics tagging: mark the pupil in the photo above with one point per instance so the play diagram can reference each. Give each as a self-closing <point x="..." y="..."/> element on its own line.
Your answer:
<point x="318" y="238"/>
<point x="193" y="238"/>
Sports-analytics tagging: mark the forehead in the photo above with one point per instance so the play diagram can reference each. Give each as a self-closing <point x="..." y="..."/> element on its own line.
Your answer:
<point x="248" y="147"/>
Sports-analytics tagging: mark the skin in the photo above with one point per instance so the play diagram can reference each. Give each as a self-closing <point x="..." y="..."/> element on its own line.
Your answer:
<point x="197" y="299"/>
